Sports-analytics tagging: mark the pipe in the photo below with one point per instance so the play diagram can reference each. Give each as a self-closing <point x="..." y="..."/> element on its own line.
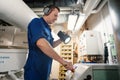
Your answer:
<point x="16" y="12"/>
<point x="99" y="7"/>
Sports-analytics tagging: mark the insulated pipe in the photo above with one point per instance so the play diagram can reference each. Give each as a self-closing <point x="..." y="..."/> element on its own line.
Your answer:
<point x="16" y="12"/>
<point x="99" y="7"/>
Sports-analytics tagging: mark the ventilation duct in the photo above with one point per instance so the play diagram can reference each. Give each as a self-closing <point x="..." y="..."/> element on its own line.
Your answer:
<point x="16" y="12"/>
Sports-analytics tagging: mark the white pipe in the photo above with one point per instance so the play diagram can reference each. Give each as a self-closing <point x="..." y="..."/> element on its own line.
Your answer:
<point x="16" y="12"/>
<point x="100" y="7"/>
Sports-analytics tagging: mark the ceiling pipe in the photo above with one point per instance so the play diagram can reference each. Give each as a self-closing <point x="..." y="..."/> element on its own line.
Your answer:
<point x="99" y="7"/>
<point x="87" y="9"/>
<point x="16" y="12"/>
<point x="63" y="10"/>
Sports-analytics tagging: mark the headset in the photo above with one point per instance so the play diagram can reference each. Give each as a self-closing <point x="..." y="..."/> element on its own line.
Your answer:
<point x="48" y="9"/>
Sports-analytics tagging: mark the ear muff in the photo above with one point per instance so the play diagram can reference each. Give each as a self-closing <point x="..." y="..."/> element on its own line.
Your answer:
<point x="46" y="10"/>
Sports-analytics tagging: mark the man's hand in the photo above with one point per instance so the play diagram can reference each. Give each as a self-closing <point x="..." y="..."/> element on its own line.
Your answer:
<point x="69" y="66"/>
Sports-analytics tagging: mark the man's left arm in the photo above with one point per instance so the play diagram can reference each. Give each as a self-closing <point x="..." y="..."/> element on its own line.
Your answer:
<point x="56" y="43"/>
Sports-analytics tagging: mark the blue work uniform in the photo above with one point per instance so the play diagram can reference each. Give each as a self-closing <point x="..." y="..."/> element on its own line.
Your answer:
<point x="38" y="65"/>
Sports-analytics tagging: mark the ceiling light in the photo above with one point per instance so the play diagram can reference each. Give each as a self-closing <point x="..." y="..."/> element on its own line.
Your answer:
<point x="72" y="18"/>
<point x="80" y="22"/>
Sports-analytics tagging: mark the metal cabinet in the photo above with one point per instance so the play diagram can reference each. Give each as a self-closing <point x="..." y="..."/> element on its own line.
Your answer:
<point x="6" y="35"/>
<point x="20" y="39"/>
<point x="13" y="37"/>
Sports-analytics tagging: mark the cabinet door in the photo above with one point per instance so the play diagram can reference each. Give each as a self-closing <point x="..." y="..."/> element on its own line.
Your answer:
<point x="6" y="35"/>
<point x="20" y="39"/>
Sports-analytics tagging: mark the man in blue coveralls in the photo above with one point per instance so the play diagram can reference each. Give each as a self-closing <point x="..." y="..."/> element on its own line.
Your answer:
<point x="41" y="44"/>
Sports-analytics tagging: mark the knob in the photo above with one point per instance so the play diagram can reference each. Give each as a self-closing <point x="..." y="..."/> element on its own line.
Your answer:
<point x="89" y="77"/>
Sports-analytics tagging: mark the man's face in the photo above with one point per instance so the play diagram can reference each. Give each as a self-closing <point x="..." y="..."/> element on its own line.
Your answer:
<point x="53" y="16"/>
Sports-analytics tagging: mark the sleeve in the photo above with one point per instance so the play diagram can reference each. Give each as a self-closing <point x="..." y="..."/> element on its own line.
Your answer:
<point x="36" y="29"/>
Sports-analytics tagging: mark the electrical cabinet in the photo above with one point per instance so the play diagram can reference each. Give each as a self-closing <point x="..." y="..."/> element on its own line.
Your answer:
<point x="90" y="43"/>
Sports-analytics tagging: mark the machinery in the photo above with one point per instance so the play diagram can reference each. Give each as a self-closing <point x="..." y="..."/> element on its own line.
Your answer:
<point x="94" y="72"/>
<point x="11" y="63"/>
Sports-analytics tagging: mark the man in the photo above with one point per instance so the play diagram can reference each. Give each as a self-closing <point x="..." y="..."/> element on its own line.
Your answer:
<point x="41" y="52"/>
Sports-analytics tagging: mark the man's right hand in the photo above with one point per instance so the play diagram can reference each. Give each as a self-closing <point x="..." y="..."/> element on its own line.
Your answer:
<point x="69" y="66"/>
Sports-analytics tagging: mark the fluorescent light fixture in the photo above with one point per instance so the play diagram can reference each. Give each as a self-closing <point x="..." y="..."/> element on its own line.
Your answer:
<point x="72" y="18"/>
<point x="80" y="22"/>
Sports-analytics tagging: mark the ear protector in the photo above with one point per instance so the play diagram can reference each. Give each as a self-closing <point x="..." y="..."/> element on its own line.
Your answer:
<point x="47" y="10"/>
